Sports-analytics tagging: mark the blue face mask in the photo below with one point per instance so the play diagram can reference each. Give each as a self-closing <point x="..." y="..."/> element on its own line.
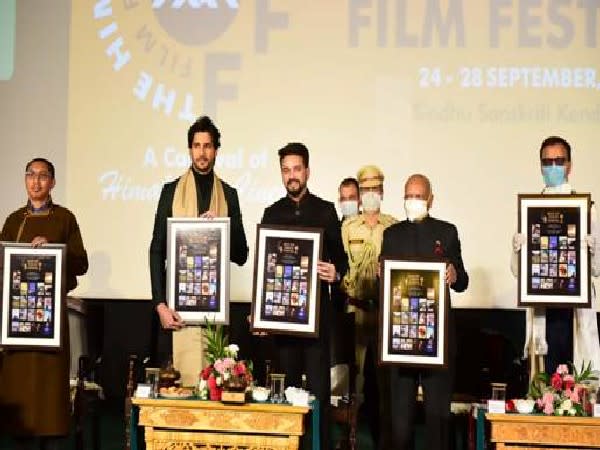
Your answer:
<point x="553" y="175"/>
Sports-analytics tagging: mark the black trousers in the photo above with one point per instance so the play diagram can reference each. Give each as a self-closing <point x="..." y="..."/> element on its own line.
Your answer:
<point x="376" y="391"/>
<point x="41" y="443"/>
<point x="161" y="343"/>
<point x="559" y="336"/>
<point x="298" y="356"/>
<point x="437" y="394"/>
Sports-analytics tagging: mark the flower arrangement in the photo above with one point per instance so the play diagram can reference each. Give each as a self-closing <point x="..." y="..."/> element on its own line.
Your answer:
<point x="224" y="370"/>
<point x="562" y="393"/>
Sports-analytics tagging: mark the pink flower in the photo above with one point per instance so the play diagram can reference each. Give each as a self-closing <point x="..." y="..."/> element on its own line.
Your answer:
<point x="556" y="381"/>
<point x="562" y="369"/>
<point x="206" y="372"/>
<point x="239" y="369"/>
<point x="573" y="395"/>
<point x="569" y="381"/>
<point x="224" y="365"/>
<point x="548" y="403"/>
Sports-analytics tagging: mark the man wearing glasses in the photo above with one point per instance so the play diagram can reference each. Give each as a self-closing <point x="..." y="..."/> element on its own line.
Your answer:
<point x="560" y="335"/>
<point x="34" y="385"/>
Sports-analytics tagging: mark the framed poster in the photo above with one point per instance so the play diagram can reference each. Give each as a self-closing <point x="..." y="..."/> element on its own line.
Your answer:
<point x="554" y="262"/>
<point x="32" y="295"/>
<point x="413" y="320"/>
<point x="198" y="269"/>
<point x="286" y="290"/>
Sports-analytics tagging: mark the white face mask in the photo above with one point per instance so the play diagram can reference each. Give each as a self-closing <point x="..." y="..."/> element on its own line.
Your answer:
<point x="371" y="201"/>
<point x="349" y="208"/>
<point x="415" y="208"/>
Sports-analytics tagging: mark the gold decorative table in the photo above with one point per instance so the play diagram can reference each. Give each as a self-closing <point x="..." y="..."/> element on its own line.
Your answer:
<point x="200" y="425"/>
<point x="530" y="432"/>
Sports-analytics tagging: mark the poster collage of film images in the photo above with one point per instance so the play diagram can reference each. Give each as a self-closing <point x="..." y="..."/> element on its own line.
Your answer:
<point x="413" y="318"/>
<point x="31" y="312"/>
<point x="286" y="285"/>
<point x="553" y="257"/>
<point x="197" y="283"/>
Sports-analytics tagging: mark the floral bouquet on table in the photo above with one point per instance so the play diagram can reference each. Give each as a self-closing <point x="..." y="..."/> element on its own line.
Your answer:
<point x="563" y="393"/>
<point x="224" y="371"/>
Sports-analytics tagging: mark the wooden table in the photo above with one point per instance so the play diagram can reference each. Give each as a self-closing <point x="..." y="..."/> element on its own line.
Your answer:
<point x="529" y="432"/>
<point x="183" y="424"/>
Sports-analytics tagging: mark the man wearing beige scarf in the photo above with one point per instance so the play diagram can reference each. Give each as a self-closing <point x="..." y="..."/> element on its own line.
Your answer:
<point x="197" y="193"/>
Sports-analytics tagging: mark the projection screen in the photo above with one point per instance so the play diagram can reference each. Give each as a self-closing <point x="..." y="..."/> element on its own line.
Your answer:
<point x="462" y="91"/>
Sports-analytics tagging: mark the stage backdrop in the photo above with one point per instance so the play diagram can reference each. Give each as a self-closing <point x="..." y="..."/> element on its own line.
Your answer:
<point x="461" y="91"/>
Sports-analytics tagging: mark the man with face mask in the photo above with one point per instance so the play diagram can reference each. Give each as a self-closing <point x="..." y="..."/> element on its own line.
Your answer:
<point x="362" y="236"/>
<point x="349" y="198"/>
<point x="558" y="335"/>
<point x="349" y="202"/>
<point x="423" y="236"/>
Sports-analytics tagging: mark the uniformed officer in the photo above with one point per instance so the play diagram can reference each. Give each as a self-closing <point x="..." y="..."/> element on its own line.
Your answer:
<point x="362" y="236"/>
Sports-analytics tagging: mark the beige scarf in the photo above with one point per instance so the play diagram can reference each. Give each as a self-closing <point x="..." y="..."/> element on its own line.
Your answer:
<point x="185" y="203"/>
<point x="188" y="343"/>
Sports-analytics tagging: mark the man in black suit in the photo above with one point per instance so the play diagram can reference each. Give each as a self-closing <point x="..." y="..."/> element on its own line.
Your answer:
<point x="295" y="356"/>
<point x="197" y="193"/>
<point x="422" y="235"/>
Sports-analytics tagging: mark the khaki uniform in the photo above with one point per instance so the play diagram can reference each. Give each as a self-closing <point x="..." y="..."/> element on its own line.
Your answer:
<point x="362" y="244"/>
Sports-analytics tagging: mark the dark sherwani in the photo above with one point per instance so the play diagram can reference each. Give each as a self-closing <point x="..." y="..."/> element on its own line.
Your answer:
<point x="294" y="355"/>
<point x="34" y="385"/>
<point x="427" y="238"/>
<point x="238" y="248"/>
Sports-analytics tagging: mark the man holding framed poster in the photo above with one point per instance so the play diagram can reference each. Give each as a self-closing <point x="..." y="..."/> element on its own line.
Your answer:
<point x="423" y="236"/>
<point x="557" y="335"/>
<point x="296" y="356"/>
<point x="34" y="384"/>
<point x="199" y="192"/>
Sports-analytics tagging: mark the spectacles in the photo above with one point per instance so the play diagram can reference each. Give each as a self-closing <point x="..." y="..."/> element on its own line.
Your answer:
<point x="40" y="176"/>
<point x="556" y="161"/>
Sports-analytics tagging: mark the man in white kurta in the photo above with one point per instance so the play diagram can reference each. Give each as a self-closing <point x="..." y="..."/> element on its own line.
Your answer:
<point x="555" y="159"/>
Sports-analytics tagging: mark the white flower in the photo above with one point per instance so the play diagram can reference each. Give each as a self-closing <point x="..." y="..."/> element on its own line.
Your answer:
<point x="572" y="411"/>
<point x="233" y="350"/>
<point x="566" y="405"/>
<point x="219" y="381"/>
<point x="203" y="385"/>
<point x="226" y="376"/>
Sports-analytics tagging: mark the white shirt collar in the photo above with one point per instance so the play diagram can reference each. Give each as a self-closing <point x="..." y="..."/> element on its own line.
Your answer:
<point x="564" y="188"/>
